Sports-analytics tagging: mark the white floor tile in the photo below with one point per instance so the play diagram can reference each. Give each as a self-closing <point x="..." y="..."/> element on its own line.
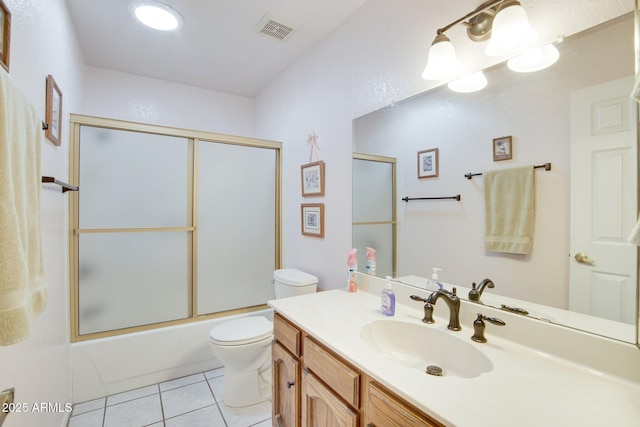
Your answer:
<point x="265" y="423"/>
<point x="134" y="413"/>
<point x="91" y="405"/>
<point x="179" y="382"/>
<point x="87" y="419"/>
<point x="214" y="373"/>
<point x="248" y="416"/>
<point x="132" y="394"/>
<point x="217" y="385"/>
<point x="186" y="399"/>
<point x="205" y="417"/>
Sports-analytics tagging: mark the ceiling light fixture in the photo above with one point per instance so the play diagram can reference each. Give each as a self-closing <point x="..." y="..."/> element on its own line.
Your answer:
<point x="503" y="22"/>
<point x="156" y="15"/>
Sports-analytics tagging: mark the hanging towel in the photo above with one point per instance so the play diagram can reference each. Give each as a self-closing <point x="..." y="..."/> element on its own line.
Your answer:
<point x="23" y="291"/>
<point x="509" y="205"/>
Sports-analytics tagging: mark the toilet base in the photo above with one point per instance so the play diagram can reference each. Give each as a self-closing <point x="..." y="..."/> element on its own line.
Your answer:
<point x="246" y="388"/>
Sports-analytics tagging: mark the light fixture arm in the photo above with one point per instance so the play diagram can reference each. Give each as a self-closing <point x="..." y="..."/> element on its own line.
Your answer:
<point x="484" y="7"/>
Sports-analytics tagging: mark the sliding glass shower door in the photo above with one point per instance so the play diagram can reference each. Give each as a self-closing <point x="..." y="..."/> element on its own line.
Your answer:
<point x="169" y="228"/>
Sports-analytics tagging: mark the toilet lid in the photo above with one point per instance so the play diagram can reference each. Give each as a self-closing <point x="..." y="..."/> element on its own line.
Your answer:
<point x="240" y="331"/>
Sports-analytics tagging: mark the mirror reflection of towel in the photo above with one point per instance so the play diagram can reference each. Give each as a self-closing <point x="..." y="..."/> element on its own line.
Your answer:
<point x="634" y="236"/>
<point x="509" y="210"/>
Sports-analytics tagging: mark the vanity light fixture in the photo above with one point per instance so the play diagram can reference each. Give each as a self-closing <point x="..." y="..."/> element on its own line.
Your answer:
<point x="503" y="22"/>
<point x="534" y="59"/>
<point x="156" y="15"/>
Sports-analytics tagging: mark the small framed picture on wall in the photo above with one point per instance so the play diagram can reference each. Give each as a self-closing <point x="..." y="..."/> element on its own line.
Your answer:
<point x="428" y="163"/>
<point x="53" y="113"/>
<point x="312" y="216"/>
<point x="502" y="148"/>
<point x="312" y="175"/>
<point x="5" y="35"/>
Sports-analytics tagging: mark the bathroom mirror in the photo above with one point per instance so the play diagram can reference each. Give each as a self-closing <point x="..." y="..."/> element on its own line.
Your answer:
<point x="537" y="111"/>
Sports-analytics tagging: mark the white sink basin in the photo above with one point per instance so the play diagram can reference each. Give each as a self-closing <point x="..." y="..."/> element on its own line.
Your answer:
<point x="418" y="346"/>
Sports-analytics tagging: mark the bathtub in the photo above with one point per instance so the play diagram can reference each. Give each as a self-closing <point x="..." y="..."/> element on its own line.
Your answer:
<point x="106" y="366"/>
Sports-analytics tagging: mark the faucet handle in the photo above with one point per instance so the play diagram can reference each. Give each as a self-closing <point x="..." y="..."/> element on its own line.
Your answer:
<point x="479" y="326"/>
<point x="418" y="298"/>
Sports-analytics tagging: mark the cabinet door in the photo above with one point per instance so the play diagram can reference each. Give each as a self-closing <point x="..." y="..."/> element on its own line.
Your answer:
<point x="322" y="408"/>
<point x="286" y="385"/>
<point x="382" y="409"/>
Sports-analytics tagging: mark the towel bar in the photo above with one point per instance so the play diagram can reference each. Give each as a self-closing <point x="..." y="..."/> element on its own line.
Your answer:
<point x="65" y="187"/>
<point x="546" y="166"/>
<point x="456" y="197"/>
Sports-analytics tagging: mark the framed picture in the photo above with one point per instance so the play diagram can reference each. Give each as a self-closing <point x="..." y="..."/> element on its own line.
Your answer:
<point x="53" y="111"/>
<point x="313" y="219"/>
<point x="428" y="163"/>
<point x="502" y="148"/>
<point x="5" y="35"/>
<point x="312" y="175"/>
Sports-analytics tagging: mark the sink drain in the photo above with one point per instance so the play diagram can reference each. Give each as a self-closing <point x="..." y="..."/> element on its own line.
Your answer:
<point x="434" y="370"/>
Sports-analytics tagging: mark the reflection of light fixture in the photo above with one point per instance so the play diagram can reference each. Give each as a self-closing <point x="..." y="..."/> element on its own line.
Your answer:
<point x="503" y="22"/>
<point x="535" y="59"/>
<point x="156" y="15"/>
<point x="470" y="83"/>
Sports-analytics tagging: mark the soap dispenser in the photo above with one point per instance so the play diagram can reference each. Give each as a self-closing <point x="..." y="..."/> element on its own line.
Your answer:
<point x="433" y="284"/>
<point x="388" y="299"/>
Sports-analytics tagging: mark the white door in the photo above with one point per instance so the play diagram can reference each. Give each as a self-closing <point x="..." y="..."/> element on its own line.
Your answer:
<point x="603" y="201"/>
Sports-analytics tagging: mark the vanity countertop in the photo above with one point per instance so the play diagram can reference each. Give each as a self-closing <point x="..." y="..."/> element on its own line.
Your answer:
<point x="526" y="387"/>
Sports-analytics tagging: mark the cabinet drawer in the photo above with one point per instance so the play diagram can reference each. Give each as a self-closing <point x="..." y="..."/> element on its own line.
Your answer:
<point x="383" y="409"/>
<point x="287" y="334"/>
<point x="341" y="377"/>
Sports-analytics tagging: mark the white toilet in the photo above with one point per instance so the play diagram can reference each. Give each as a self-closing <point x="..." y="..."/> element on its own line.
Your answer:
<point x="243" y="345"/>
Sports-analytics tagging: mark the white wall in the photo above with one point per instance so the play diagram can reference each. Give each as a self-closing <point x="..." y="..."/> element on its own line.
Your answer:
<point x="373" y="59"/>
<point x="43" y="42"/>
<point x="123" y="96"/>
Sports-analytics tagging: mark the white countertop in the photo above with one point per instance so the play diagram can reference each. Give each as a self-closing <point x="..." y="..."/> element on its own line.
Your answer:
<point x="525" y="387"/>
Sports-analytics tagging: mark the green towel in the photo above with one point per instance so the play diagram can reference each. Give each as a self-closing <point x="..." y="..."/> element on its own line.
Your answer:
<point x="509" y="206"/>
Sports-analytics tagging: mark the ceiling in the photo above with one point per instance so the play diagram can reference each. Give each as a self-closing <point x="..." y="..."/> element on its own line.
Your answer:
<point x="217" y="48"/>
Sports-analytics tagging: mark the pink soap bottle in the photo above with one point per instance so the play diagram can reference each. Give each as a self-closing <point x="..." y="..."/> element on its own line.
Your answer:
<point x="352" y="266"/>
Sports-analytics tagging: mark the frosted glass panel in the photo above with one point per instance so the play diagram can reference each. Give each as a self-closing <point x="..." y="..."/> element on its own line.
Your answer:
<point x="236" y="226"/>
<point x="379" y="237"/>
<point x="372" y="191"/>
<point x="132" y="279"/>
<point x="132" y="179"/>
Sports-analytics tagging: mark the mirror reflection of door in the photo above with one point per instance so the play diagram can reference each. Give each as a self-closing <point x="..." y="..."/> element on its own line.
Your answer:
<point x="374" y="211"/>
<point x="603" y="265"/>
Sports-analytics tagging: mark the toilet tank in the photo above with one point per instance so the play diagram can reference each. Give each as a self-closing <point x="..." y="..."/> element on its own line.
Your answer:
<point x="290" y="282"/>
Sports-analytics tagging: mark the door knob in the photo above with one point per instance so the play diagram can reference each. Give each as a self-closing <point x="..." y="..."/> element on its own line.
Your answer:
<point x="582" y="258"/>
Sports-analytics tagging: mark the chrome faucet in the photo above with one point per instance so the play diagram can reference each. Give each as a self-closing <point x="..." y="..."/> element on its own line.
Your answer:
<point x="476" y="293"/>
<point x="453" y="302"/>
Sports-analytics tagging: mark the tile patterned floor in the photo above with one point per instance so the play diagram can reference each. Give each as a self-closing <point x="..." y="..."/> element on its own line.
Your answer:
<point x="193" y="401"/>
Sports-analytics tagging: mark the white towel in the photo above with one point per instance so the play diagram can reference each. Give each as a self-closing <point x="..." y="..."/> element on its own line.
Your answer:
<point x="509" y="210"/>
<point x="23" y="291"/>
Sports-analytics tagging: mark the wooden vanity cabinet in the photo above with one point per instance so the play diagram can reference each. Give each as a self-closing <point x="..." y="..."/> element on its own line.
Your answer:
<point x="314" y="387"/>
<point x="286" y="375"/>
<point x="381" y="408"/>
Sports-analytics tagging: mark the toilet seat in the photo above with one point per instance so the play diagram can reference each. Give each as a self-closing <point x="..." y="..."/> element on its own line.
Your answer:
<point x="242" y="331"/>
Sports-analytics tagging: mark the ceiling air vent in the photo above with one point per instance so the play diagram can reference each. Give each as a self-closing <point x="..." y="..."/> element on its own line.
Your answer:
<point x="275" y="28"/>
